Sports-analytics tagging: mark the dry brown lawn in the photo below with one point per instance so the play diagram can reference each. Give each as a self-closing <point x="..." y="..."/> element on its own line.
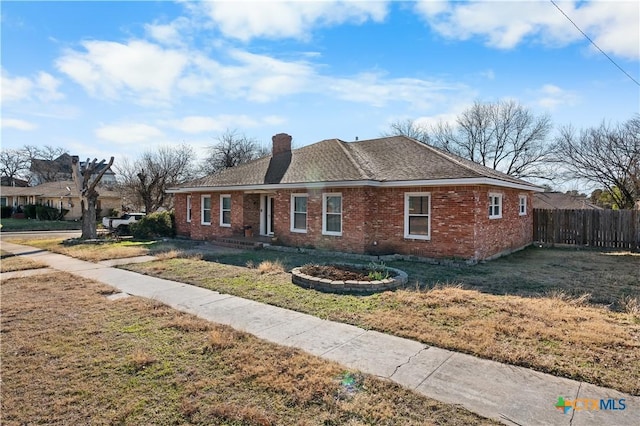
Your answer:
<point x="70" y="356"/>
<point x="10" y="263"/>
<point x="528" y="309"/>
<point x="556" y="334"/>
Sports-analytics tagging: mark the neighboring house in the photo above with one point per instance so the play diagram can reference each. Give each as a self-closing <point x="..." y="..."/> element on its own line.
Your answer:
<point x="60" y="195"/>
<point x="60" y="169"/>
<point x="380" y="196"/>
<point x="561" y="201"/>
<point x="7" y="181"/>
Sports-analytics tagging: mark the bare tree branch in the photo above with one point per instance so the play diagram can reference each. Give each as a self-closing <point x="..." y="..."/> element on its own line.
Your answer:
<point x="606" y="155"/>
<point x="230" y="150"/>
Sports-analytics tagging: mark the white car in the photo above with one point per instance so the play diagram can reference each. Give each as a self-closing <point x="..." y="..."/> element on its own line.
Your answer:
<point x="121" y="224"/>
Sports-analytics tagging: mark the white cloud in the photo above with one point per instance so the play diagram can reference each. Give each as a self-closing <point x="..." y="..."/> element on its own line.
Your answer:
<point x="128" y="133"/>
<point x="150" y="74"/>
<point x="245" y="20"/>
<point x="48" y="87"/>
<point x="551" y="97"/>
<point x="15" y="89"/>
<point x="42" y="87"/>
<point x="142" y="70"/>
<point x="168" y="34"/>
<point x="376" y="90"/>
<point x="14" y="123"/>
<point x="504" y="25"/>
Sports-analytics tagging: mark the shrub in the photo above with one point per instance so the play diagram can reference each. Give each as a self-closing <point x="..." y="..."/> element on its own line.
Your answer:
<point x="160" y="224"/>
<point x="49" y="213"/>
<point x="6" y="211"/>
<point x="30" y="211"/>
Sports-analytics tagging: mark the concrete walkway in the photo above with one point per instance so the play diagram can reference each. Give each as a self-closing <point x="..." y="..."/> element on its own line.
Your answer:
<point x="512" y="395"/>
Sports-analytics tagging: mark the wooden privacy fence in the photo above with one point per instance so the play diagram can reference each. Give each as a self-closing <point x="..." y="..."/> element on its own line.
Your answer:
<point x="594" y="228"/>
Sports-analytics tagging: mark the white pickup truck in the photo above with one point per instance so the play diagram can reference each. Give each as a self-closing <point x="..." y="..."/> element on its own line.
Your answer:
<point x="121" y="224"/>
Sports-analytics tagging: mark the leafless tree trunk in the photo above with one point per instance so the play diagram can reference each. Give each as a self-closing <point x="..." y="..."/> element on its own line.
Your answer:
<point x="230" y="150"/>
<point x="408" y="128"/>
<point x="86" y="182"/>
<point x="14" y="163"/>
<point x="43" y="168"/>
<point x="606" y="155"/>
<point x="504" y="136"/>
<point x="145" y="181"/>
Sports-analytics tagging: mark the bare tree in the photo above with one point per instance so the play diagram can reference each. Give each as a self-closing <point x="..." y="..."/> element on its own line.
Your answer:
<point x="409" y="128"/>
<point x="14" y="164"/>
<point x="144" y="182"/>
<point x="43" y="166"/>
<point x="607" y="155"/>
<point x="230" y="150"/>
<point x="504" y="136"/>
<point x="86" y="182"/>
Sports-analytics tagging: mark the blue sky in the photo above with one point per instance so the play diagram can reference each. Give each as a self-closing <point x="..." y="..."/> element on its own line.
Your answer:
<point x="119" y="78"/>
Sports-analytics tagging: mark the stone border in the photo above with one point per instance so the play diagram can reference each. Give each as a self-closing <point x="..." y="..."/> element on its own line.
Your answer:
<point x="350" y="286"/>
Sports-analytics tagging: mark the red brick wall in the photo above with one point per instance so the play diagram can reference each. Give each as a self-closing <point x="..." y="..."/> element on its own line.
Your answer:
<point x="508" y="233"/>
<point x="373" y="221"/>
<point x="353" y="226"/>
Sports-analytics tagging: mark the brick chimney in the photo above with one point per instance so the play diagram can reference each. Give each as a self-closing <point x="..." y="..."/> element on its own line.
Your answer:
<point x="281" y="143"/>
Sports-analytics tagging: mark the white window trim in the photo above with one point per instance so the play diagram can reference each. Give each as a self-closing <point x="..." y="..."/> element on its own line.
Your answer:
<point x="407" y="235"/>
<point x="522" y="198"/>
<point x="493" y="195"/>
<point x="293" y="206"/>
<point x="324" y="213"/>
<point x="202" y="198"/>
<point x="189" y="208"/>
<point x="222" y="196"/>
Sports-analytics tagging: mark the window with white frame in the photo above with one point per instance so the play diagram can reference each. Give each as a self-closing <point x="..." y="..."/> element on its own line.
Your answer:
<point x="495" y="206"/>
<point x="188" y="208"/>
<point x="332" y="214"/>
<point x="522" y="206"/>
<point x="417" y="215"/>
<point x="225" y="210"/>
<point x="299" y="212"/>
<point x="205" y="213"/>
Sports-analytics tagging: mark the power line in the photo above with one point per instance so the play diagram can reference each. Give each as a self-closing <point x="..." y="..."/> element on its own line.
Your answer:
<point x="594" y="44"/>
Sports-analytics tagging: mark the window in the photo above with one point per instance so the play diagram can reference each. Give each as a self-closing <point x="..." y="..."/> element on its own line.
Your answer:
<point x="188" y="208"/>
<point x="298" y="212"/>
<point x="206" y="210"/>
<point x="225" y="210"/>
<point x="495" y="206"/>
<point x="332" y="214"/>
<point x="523" y="205"/>
<point x="417" y="215"/>
<point x="3" y="201"/>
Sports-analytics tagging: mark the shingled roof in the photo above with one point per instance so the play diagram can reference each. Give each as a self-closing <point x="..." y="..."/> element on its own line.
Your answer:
<point x="370" y="162"/>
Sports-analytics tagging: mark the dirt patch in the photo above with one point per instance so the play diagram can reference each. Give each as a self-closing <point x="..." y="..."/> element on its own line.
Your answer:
<point x="346" y="272"/>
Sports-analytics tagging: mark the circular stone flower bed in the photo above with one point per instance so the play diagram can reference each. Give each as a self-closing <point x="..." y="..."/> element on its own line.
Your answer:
<point x="348" y="278"/>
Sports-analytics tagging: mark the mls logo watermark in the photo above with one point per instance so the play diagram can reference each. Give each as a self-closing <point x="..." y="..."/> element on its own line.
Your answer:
<point x="587" y="404"/>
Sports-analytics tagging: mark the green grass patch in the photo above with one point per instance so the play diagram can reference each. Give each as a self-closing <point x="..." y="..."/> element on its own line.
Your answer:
<point x="9" y="224"/>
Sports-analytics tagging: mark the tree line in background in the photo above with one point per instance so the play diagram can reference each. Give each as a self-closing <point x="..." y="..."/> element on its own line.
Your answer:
<point x="142" y="182"/>
<point x="508" y="137"/>
<point x="504" y="136"/>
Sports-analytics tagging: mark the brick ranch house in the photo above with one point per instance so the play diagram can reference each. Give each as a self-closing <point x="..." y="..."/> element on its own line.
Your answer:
<point x="380" y="196"/>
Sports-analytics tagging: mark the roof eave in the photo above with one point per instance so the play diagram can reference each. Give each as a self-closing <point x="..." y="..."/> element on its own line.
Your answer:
<point x="371" y="183"/>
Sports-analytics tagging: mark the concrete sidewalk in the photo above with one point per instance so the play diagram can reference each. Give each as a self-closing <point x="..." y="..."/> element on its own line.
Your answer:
<point x="512" y="395"/>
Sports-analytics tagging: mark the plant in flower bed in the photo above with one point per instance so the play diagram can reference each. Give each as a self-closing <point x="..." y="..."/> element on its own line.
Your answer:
<point x="336" y="272"/>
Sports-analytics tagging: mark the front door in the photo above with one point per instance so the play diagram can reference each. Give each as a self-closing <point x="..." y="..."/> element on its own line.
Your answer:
<point x="267" y="204"/>
<point x="270" y="215"/>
